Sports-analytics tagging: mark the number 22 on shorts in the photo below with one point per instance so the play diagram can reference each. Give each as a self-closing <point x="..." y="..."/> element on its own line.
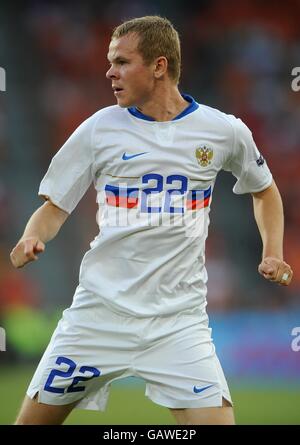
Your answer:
<point x="72" y="366"/>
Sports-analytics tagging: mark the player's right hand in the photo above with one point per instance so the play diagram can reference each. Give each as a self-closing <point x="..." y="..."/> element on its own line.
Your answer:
<point x="26" y="251"/>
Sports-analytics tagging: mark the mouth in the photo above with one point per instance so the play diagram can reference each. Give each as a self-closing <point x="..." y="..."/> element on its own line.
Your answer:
<point x="117" y="90"/>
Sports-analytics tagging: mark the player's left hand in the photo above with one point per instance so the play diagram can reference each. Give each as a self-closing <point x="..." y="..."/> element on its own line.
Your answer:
<point x="273" y="269"/>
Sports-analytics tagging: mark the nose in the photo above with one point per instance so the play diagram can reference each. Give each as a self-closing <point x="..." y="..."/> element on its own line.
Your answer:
<point x="111" y="73"/>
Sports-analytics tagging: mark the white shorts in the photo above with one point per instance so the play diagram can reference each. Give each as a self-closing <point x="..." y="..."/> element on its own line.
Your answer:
<point x="93" y="346"/>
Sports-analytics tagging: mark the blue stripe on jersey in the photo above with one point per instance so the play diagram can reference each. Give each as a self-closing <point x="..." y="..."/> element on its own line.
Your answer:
<point x="199" y="194"/>
<point x="118" y="191"/>
<point x="189" y="109"/>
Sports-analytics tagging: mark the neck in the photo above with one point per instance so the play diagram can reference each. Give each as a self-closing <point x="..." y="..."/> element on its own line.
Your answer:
<point x="165" y="104"/>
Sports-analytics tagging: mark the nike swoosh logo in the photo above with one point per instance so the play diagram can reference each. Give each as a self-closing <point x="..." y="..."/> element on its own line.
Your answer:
<point x="197" y="390"/>
<point x="125" y="157"/>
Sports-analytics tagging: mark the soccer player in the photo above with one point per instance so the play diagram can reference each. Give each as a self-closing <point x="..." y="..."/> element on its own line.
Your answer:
<point x="139" y="307"/>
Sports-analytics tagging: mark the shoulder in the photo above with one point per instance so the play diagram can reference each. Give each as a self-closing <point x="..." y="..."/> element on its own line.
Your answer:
<point x="105" y="118"/>
<point x="218" y="116"/>
<point x="108" y="114"/>
<point x="225" y="122"/>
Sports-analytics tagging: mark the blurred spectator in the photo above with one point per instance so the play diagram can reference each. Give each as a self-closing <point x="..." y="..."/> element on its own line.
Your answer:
<point x="16" y="288"/>
<point x="223" y="282"/>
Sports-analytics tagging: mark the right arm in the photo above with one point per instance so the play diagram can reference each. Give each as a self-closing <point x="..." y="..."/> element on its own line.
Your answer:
<point x="42" y="226"/>
<point x="68" y="177"/>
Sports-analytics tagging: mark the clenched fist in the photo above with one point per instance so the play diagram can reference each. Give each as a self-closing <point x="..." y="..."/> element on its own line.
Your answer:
<point x="26" y="250"/>
<point x="276" y="270"/>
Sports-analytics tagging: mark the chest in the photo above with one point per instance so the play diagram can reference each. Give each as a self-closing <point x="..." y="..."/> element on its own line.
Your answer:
<point x="163" y="169"/>
<point x="162" y="150"/>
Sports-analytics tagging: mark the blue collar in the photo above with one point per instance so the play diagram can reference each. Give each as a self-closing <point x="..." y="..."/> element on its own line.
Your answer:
<point x="193" y="105"/>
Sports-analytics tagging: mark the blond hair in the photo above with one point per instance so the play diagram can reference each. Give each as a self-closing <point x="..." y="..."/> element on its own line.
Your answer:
<point x="157" y="37"/>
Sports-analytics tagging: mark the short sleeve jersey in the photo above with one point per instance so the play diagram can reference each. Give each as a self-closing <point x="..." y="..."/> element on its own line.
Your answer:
<point x="154" y="183"/>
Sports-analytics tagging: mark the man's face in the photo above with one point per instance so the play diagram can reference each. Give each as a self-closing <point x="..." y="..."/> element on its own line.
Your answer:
<point x="132" y="80"/>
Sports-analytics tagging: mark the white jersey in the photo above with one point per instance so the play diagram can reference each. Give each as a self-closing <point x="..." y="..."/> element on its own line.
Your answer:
<point x="154" y="184"/>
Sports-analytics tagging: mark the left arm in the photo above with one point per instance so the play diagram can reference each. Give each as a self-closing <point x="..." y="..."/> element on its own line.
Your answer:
<point x="268" y="212"/>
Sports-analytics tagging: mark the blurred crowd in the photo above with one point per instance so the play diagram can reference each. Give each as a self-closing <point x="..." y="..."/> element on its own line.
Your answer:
<point x="237" y="56"/>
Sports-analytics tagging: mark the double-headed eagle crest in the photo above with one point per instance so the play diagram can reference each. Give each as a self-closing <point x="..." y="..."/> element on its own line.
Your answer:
<point x="204" y="155"/>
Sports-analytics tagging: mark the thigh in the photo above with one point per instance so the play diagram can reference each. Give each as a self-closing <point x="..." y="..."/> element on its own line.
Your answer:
<point x="183" y="371"/>
<point x="205" y="416"/>
<point x="34" y="413"/>
<point x="85" y="354"/>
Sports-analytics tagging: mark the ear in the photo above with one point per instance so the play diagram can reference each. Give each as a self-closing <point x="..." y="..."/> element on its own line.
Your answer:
<point x="160" y="67"/>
